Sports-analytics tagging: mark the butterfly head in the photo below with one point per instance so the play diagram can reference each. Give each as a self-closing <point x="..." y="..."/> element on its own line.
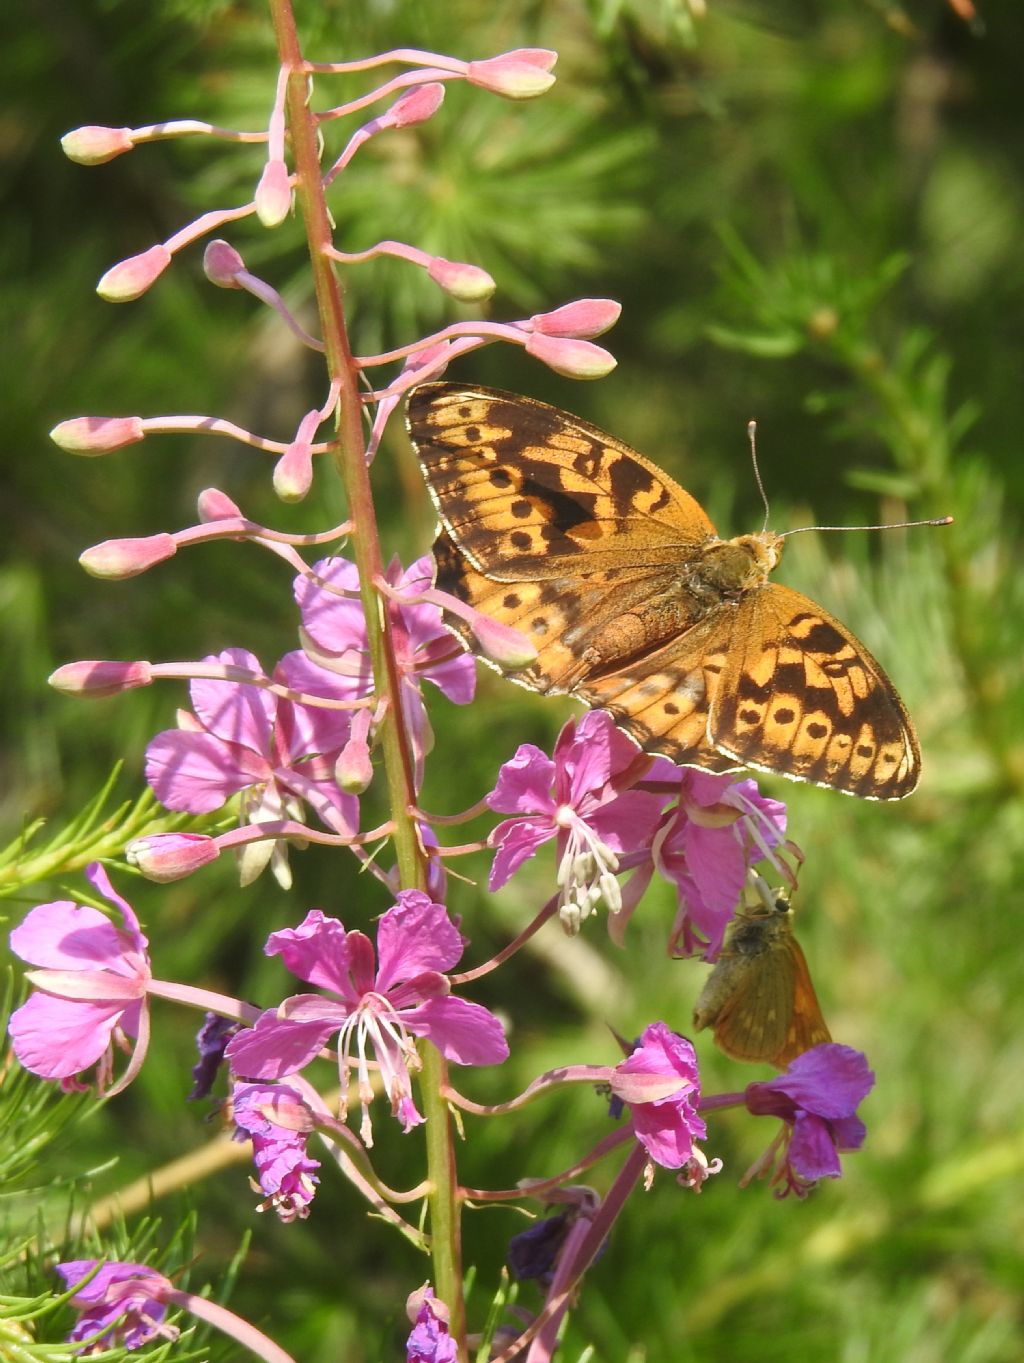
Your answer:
<point x="739" y="565"/>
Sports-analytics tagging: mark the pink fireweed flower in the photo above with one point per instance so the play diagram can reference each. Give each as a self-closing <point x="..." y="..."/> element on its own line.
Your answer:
<point x="660" y="1084"/>
<point x="332" y="617"/>
<point x="579" y="797"/>
<point x="720" y="828"/>
<point x="243" y="739"/>
<point x="430" y="1340"/>
<point x="817" y="1099"/>
<point x="126" y="1302"/>
<point x="91" y="990"/>
<point x="381" y="1009"/>
<point x="278" y="1122"/>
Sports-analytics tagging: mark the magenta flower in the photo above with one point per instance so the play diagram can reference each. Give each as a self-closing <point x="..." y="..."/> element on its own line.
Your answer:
<point x="127" y="1302"/>
<point x="430" y="1340"/>
<point x="278" y="1122"/>
<point x="91" y="990"/>
<point x="243" y="739"/>
<point x="579" y="797"/>
<point x="660" y="1084"/>
<point x="720" y="828"/>
<point x="817" y="1099"/>
<point x="381" y="1009"/>
<point x="332" y="617"/>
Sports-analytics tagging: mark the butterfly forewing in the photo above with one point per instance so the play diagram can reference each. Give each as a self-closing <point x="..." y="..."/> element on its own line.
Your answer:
<point x="633" y="603"/>
<point x="527" y="491"/>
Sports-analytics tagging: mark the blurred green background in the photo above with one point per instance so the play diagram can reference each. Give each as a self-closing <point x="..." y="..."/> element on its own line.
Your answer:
<point x="810" y="213"/>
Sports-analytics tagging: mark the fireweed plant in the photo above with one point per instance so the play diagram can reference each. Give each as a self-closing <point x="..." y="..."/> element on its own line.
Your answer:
<point x="382" y="998"/>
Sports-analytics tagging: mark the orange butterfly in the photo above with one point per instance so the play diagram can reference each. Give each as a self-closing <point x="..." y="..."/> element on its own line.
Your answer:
<point x="759" y="997"/>
<point x="634" y="603"/>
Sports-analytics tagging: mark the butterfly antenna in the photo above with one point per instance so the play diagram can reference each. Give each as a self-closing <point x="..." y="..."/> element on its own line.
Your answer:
<point x="890" y="525"/>
<point x="752" y="437"/>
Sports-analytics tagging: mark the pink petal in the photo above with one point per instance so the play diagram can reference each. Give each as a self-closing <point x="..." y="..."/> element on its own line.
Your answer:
<point x="415" y="936"/>
<point x="627" y="823"/>
<point x="235" y="711"/>
<point x="464" y="1032"/>
<point x="274" y="1048"/>
<point x="718" y="864"/>
<point x="316" y="951"/>
<point x="517" y="840"/>
<point x="198" y="772"/>
<point x="59" y="1038"/>
<point x="335" y="623"/>
<point x="524" y="783"/>
<point x="68" y="936"/>
<point x="307" y="729"/>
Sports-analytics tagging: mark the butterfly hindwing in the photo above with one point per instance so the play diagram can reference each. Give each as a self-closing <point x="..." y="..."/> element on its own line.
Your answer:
<point x="802" y="696"/>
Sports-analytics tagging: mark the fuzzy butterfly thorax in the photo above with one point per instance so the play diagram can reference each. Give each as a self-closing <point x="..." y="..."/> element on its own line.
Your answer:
<point x="634" y="604"/>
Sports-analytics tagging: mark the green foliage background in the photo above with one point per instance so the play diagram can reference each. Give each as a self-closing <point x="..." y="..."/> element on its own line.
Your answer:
<point x="810" y="212"/>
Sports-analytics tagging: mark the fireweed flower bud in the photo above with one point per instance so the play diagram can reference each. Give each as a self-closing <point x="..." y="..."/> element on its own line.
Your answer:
<point x="130" y="278"/>
<point x="523" y="74"/>
<point x="509" y="648"/>
<point x="215" y="505"/>
<point x="94" y="144"/>
<point x="97" y="434"/>
<point x="164" y="857"/>
<point x="571" y="358"/>
<point x="293" y="472"/>
<point x="467" y="283"/>
<point x="127" y="557"/>
<point x="222" y="263"/>
<point x="273" y="196"/>
<point x="99" y="678"/>
<point x="415" y="107"/>
<point x="580" y="319"/>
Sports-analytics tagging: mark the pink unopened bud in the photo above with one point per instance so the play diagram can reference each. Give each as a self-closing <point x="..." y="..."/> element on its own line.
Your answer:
<point x="505" y="646"/>
<point x="215" y="505"/>
<point x="273" y="196"/>
<point x="574" y="359"/>
<point x="131" y="278"/>
<point x="170" y="856"/>
<point x="353" y="770"/>
<point x="97" y="434"/>
<point x="222" y="264"/>
<point x="415" y="107"/>
<point x="93" y="144"/>
<point x="509" y="75"/>
<point x="467" y="283"/>
<point x="544" y="57"/>
<point x="100" y="678"/>
<point x="585" y="317"/>
<point x="127" y="557"/>
<point x="293" y="472"/>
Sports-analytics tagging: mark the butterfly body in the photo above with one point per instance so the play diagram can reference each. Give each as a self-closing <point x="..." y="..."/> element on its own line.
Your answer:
<point x="636" y="605"/>
<point x="759" y="998"/>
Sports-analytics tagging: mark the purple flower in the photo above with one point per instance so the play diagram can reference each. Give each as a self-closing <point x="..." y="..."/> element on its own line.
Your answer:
<point x="125" y="1301"/>
<point x="91" y="989"/>
<point x="277" y="1120"/>
<point x="719" y="830"/>
<point x="382" y="1009"/>
<point x="579" y="797"/>
<point x="332" y="617"/>
<point x="817" y="1099"/>
<point x="243" y="739"/>
<point x="660" y="1083"/>
<point x="430" y="1340"/>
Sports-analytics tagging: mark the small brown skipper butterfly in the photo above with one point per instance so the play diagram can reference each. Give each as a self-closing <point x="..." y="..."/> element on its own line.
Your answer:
<point x="759" y="997"/>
